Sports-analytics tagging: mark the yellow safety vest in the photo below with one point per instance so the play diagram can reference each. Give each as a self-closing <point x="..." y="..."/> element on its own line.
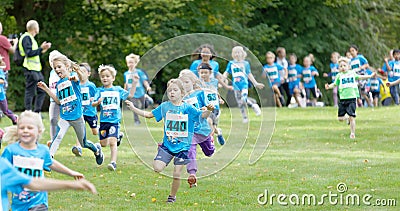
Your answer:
<point x="30" y="63"/>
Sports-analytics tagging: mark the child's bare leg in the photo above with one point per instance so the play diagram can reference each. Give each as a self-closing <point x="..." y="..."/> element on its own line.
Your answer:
<point x="176" y="182"/>
<point x="296" y="94"/>
<point x="277" y="95"/>
<point x="352" y="125"/>
<point x="113" y="147"/>
<point x="95" y="131"/>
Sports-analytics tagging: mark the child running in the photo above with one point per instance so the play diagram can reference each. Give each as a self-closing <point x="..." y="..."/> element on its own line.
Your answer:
<point x="3" y="97"/>
<point x="31" y="158"/>
<point x="334" y="66"/>
<point x="141" y="87"/>
<point x="241" y="72"/>
<point x="294" y="71"/>
<point x="109" y="98"/>
<point x="179" y="122"/>
<point x="210" y="87"/>
<point x="308" y="74"/>
<point x="273" y="71"/>
<point x="202" y="131"/>
<point x="69" y="98"/>
<point x="346" y="80"/>
<point x="54" y="108"/>
<point x="88" y="90"/>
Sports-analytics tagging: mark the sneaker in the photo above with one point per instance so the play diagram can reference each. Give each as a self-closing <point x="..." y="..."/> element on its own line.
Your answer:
<point x="112" y="166"/>
<point x="120" y="137"/>
<point x="256" y="109"/>
<point x="245" y="120"/>
<point x="99" y="156"/>
<point x="171" y="199"/>
<point x="192" y="180"/>
<point x="352" y="136"/>
<point x="221" y="140"/>
<point x="77" y="151"/>
<point x="137" y="123"/>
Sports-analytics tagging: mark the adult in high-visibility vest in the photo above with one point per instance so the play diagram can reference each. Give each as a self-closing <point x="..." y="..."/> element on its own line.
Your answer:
<point x="32" y="67"/>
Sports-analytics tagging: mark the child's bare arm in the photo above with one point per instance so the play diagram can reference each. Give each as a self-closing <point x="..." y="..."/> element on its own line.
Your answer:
<point x="139" y="112"/>
<point x="60" y="168"/>
<point x="45" y="88"/>
<point x="330" y="86"/>
<point x="253" y="80"/>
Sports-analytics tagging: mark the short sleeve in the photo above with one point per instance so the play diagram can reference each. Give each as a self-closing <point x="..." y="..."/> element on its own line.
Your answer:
<point x="157" y="112"/>
<point x="228" y="68"/>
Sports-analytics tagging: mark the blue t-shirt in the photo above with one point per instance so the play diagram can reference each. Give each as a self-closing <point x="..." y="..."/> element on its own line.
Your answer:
<point x="293" y="72"/>
<point x="128" y="79"/>
<point x="2" y="93"/>
<point x="239" y="72"/>
<point x="11" y="180"/>
<point x="274" y="73"/>
<point x="306" y="72"/>
<point x="32" y="163"/>
<point x="110" y="109"/>
<point x="197" y="99"/>
<point x="375" y="84"/>
<point x="211" y="92"/>
<point x="178" y="124"/>
<point x="214" y="65"/>
<point x="393" y="75"/>
<point x="357" y="62"/>
<point x="88" y="91"/>
<point x="334" y="70"/>
<point x="70" y="97"/>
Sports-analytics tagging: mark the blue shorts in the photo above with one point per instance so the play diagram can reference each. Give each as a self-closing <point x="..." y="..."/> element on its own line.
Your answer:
<point x="164" y="155"/>
<point x="292" y="86"/>
<point x="91" y="120"/>
<point x="107" y="130"/>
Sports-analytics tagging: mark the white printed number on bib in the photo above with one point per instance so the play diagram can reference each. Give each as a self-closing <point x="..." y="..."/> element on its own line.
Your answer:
<point x="85" y="96"/>
<point x="29" y="165"/>
<point x="110" y="100"/>
<point x="176" y="125"/>
<point x="66" y="93"/>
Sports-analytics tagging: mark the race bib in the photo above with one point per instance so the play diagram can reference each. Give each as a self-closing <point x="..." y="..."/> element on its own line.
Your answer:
<point x="272" y="72"/>
<point x="292" y="74"/>
<point x="348" y="82"/>
<point x="85" y="96"/>
<point x="176" y="125"/>
<point x="29" y="165"/>
<point x="212" y="97"/>
<point x="374" y="84"/>
<point x="355" y="65"/>
<point x="66" y="93"/>
<point x="396" y="70"/>
<point x="110" y="100"/>
<point x="307" y="75"/>
<point x="238" y="70"/>
<point x="192" y="101"/>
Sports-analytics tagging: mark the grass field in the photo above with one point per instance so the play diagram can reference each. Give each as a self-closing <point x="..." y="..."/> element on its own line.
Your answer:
<point x="310" y="153"/>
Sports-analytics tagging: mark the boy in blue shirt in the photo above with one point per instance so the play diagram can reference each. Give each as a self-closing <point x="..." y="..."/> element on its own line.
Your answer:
<point x="109" y="98"/>
<point x="308" y="74"/>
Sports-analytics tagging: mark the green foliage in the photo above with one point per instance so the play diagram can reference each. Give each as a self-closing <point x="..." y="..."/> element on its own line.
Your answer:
<point x="104" y="32"/>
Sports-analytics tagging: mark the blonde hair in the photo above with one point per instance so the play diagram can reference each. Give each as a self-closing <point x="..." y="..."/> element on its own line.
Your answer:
<point x="65" y="60"/>
<point x="177" y="82"/>
<point x="110" y="68"/>
<point x="11" y="134"/>
<point x="238" y="53"/>
<point x="343" y="59"/>
<point x="270" y="53"/>
<point x="134" y="57"/>
<point x="31" y="24"/>
<point x="53" y="54"/>
<point x="186" y="73"/>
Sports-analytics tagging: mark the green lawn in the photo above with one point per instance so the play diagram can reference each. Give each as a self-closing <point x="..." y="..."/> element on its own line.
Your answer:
<point x="310" y="153"/>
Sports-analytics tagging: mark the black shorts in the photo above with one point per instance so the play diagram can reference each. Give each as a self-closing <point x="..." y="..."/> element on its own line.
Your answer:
<point x="347" y="106"/>
<point x="91" y="120"/>
<point x="311" y="91"/>
<point x="375" y="94"/>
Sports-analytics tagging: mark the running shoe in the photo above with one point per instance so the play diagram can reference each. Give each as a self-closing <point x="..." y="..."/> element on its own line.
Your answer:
<point x="100" y="155"/>
<point x="112" y="166"/>
<point x="77" y="151"/>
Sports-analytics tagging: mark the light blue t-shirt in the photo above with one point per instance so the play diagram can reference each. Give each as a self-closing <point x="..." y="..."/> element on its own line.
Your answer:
<point x="334" y="70"/>
<point x="197" y="99"/>
<point x="178" y="124"/>
<point x="274" y="73"/>
<point x="10" y="180"/>
<point x="2" y="92"/>
<point x="239" y="72"/>
<point x="357" y="62"/>
<point x="88" y="91"/>
<point x="306" y="72"/>
<point x="375" y="84"/>
<point x="393" y="75"/>
<point x="128" y="79"/>
<point x="70" y="97"/>
<point x="110" y="109"/>
<point x="214" y="65"/>
<point x="32" y="163"/>
<point x="293" y="74"/>
<point x="211" y="92"/>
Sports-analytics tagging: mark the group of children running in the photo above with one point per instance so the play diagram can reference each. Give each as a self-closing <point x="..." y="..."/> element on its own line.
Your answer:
<point x="190" y="116"/>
